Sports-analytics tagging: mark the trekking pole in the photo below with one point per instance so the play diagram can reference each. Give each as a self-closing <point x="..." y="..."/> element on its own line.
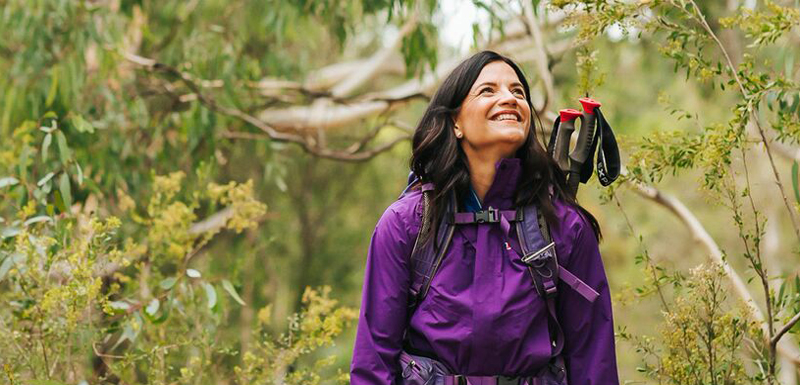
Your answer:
<point x="563" y="132"/>
<point x="583" y="147"/>
<point x="595" y="134"/>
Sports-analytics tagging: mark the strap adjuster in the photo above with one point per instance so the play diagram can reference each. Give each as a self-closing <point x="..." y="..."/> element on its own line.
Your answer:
<point x="487" y="216"/>
<point x="550" y="288"/>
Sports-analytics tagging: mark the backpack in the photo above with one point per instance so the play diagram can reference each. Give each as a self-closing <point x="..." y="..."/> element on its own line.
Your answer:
<point x="539" y="254"/>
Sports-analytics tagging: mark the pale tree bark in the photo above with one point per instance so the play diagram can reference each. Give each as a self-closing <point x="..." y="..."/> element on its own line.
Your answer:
<point x="786" y="347"/>
<point x="337" y="107"/>
<point x="540" y="55"/>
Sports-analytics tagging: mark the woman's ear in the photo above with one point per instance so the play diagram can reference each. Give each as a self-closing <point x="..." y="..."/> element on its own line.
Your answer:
<point x="456" y="129"/>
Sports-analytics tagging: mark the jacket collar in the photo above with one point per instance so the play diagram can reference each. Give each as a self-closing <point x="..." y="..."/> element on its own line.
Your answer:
<point x="501" y="192"/>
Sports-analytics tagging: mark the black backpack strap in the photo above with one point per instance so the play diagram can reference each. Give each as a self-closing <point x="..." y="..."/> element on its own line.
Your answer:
<point x="608" y="162"/>
<point x="605" y="144"/>
<point x="551" y="145"/>
<point x="426" y="257"/>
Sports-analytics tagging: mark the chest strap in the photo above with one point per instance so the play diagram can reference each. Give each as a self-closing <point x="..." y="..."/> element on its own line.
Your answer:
<point x="489" y="215"/>
<point x="543" y="263"/>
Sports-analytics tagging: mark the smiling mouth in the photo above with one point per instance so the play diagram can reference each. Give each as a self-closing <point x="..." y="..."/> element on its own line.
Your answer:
<point x="503" y="117"/>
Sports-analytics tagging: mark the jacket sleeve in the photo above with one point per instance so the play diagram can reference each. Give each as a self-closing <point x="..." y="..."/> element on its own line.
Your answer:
<point x="382" y="319"/>
<point x="588" y="328"/>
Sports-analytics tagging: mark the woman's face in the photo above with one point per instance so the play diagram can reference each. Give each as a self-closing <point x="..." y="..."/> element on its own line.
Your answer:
<point x="495" y="115"/>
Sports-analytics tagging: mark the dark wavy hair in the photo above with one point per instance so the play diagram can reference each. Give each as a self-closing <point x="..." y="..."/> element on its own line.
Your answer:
<point x="438" y="158"/>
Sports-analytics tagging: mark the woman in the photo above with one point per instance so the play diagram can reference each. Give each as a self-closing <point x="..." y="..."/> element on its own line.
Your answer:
<point x="482" y="315"/>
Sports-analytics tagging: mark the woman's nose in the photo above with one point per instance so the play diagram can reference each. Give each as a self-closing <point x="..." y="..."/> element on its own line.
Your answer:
<point x="507" y="97"/>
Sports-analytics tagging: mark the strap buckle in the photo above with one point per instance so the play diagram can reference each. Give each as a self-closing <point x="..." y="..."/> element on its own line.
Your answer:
<point x="543" y="266"/>
<point x="540" y="258"/>
<point x="487" y="216"/>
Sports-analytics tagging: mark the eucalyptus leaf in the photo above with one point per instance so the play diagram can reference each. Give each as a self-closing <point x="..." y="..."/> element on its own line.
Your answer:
<point x="63" y="149"/>
<point x="51" y="94"/>
<point x="119" y="305"/>
<point x="37" y="219"/>
<point x="168" y="283"/>
<point x="128" y="334"/>
<point x="81" y="125"/>
<point x="65" y="188"/>
<point x="152" y="307"/>
<point x="45" y="179"/>
<point x="9" y="232"/>
<point x="44" y="190"/>
<point x="79" y="173"/>
<point x="46" y="145"/>
<point x="228" y="286"/>
<point x="192" y="273"/>
<point x="211" y="293"/>
<point x="8" y="181"/>
<point x="9" y="262"/>
<point x="60" y="202"/>
<point x="23" y="162"/>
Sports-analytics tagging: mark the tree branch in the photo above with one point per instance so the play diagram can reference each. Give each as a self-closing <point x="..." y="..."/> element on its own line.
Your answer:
<point x="213" y="223"/>
<point x="357" y="78"/>
<point x="784" y="329"/>
<point x="700" y="234"/>
<point x="540" y="55"/>
<point x="306" y="143"/>
<point x="787" y="152"/>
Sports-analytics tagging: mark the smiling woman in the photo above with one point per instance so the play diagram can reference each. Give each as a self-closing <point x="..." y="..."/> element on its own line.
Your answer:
<point x="453" y="293"/>
<point x="493" y="122"/>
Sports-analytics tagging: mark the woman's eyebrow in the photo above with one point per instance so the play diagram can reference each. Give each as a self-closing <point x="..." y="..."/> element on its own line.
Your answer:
<point x="515" y="84"/>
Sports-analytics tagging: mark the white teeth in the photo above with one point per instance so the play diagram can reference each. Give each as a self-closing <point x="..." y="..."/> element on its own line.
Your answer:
<point x="506" y="117"/>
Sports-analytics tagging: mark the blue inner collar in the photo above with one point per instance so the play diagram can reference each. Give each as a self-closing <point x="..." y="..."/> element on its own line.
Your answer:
<point x="472" y="203"/>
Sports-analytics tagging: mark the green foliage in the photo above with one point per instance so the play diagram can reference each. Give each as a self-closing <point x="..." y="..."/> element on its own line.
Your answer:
<point x="132" y="233"/>
<point x="602" y="15"/>
<point x="669" y="152"/>
<point x="764" y="27"/>
<point x="702" y="335"/>
<point x="77" y="289"/>
<point x="589" y="75"/>
<point x="134" y="244"/>
<point x="701" y="340"/>
<point x="316" y="326"/>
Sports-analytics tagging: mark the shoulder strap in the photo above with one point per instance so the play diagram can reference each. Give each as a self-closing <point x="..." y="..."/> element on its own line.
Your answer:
<point x="539" y="253"/>
<point x="426" y="257"/>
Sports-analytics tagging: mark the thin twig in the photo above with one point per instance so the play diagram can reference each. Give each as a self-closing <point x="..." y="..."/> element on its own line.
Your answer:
<point x="785" y="329"/>
<point x="701" y="18"/>
<point x="644" y="251"/>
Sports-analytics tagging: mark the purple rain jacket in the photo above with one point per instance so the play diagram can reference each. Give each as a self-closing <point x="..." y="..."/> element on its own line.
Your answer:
<point x="482" y="315"/>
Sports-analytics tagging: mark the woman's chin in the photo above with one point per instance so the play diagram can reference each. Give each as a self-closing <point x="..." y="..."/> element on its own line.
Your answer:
<point x="512" y="136"/>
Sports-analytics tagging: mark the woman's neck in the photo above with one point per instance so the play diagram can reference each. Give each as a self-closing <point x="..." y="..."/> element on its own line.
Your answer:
<point x="481" y="173"/>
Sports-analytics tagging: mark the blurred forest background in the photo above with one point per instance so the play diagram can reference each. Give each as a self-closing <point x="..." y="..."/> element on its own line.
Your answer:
<point x="188" y="188"/>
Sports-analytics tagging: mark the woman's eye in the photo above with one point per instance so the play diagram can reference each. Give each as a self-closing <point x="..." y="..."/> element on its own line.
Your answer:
<point x="486" y="90"/>
<point x="519" y="92"/>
